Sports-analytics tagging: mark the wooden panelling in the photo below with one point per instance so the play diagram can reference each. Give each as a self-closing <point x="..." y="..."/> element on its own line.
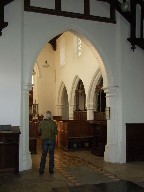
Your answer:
<point x="74" y="135"/>
<point x="33" y="134"/>
<point x="86" y="15"/>
<point x="57" y="118"/>
<point x="134" y="142"/>
<point x="9" y="149"/>
<point x="99" y="116"/>
<point x="80" y="115"/>
<point x="99" y="138"/>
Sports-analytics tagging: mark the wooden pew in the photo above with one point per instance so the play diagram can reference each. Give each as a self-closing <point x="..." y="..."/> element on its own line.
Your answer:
<point x="80" y="115"/>
<point x="99" y="133"/>
<point x="74" y="134"/>
<point x="33" y="134"/>
<point x="99" y="137"/>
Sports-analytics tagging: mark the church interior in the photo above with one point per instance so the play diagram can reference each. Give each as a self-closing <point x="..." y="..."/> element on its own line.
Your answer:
<point x="99" y="146"/>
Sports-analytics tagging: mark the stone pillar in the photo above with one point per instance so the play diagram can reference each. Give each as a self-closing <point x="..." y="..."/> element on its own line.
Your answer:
<point x="59" y="109"/>
<point x="90" y="111"/>
<point x="114" y="137"/>
<point x="24" y="136"/>
<point x="71" y="112"/>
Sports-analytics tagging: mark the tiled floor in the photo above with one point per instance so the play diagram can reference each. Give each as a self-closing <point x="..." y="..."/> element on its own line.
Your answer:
<point x="73" y="170"/>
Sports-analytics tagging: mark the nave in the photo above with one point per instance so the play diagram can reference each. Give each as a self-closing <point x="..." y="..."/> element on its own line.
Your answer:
<point x="76" y="171"/>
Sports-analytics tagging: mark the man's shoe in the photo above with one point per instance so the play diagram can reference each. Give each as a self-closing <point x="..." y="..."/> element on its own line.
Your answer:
<point x="41" y="172"/>
<point x="51" y="172"/>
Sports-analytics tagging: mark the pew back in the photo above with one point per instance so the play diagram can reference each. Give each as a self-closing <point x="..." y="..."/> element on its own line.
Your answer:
<point x="74" y="134"/>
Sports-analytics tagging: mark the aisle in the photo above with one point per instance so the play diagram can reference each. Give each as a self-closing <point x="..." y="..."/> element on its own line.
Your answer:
<point x="74" y="172"/>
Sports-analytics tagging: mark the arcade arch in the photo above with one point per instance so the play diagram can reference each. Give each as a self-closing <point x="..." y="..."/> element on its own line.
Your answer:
<point x="62" y="102"/>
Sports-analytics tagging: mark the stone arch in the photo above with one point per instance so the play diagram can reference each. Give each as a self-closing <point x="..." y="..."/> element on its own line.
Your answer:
<point x="91" y="92"/>
<point x="94" y="46"/>
<point x="36" y="68"/>
<point x="97" y="50"/>
<point x="92" y="43"/>
<point x="72" y="97"/>
<point x="62" y="106"/>
<point x="29" y="59"/>
<point x="60" y="94"/>
<point x="91" y="96"/>
<point x="72" y="93"/>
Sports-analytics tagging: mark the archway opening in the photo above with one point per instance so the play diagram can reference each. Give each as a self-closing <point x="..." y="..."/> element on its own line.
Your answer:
<point x="62" y="65"/>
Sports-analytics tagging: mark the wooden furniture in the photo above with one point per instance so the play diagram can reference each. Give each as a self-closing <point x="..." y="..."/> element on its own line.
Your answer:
<point x="9" y="148"/>
<point x="30" y="101"/>
<point x="57" y="118"/>
<point x="74" y="135"/>
<point x="80" y="115"/>
<point x="99" y="116"/>
<point x="99" y="132"/>
<point x="33" y="134"/>
<point x="100" y="96"/>
<point x="134" y="142"/>
<point x="99" y="138"/>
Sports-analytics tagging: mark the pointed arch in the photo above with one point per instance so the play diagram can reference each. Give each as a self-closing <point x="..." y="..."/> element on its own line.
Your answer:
<point x="36" y="68"/>
<point x="91" y="91"/>
<point x="62" y="102"/>
<point x="30" y="55"/>
<point x="60" y="94"/>
<point x="91" y="41"/>
<point x="72" y="93"/>
<point x="97" y="50"/>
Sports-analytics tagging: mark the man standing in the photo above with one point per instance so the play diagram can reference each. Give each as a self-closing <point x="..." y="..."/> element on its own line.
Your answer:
<point x="48" y="131"/>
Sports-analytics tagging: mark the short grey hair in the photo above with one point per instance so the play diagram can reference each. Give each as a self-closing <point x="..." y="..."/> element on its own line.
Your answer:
<point x="48" y="115"/>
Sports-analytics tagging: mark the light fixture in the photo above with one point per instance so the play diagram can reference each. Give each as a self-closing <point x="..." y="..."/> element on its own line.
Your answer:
<point x="33" y="73"/>
<point x="125" y="6"/>
<point x="46" y="65"/>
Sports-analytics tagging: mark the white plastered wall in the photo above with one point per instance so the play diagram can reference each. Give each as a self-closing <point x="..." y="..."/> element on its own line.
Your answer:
<point x="44" y="86"/>
<point x="10" y="65"/>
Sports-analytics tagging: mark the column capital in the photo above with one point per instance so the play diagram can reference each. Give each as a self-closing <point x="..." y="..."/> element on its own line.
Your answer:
<point x="111" y="91"/>
<point x="59" y="105"/>
<point x="71" y="105"/>
<point x="91" y="106"/>
<point x="26" y="87"/>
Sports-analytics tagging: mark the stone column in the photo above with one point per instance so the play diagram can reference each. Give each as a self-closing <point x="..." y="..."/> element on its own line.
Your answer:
<point x="59" y="109"/>
<point x="114" y="137"/>
<point x="24" y="136"/>
<point x="71" y="112"/>
<point x="90" y="111"/>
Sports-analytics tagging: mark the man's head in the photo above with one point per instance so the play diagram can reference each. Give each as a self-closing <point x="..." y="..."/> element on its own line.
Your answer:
<point x="48" y="115"/>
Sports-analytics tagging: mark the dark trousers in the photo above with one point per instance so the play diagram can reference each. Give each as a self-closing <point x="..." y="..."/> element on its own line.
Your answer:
<point x="47" y="146"/>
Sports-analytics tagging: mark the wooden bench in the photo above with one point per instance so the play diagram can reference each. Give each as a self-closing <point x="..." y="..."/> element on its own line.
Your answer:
<point x="33" y="134"/>
<point x="99" y="137"/>
<point x="74" y="135"/>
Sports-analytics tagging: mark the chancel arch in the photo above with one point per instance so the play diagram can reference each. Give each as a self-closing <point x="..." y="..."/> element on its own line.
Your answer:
<point x="107" y="81"/>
